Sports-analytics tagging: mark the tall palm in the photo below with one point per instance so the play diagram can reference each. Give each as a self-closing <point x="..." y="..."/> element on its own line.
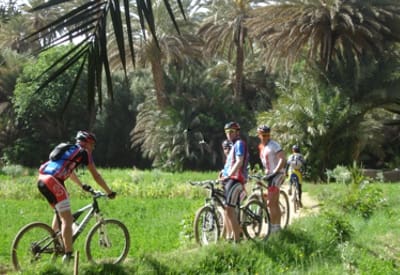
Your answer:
<point x="324" y="30"/>
<point x="88" y="22"/>
<point x="168" y="48"/>
<point x="225" y="33"/>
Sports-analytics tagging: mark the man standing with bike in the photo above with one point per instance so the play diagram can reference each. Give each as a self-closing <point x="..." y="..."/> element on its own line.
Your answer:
<point x="273" y="160"/>
<point x="234" y="176"/>
<point x="64" y="159"/>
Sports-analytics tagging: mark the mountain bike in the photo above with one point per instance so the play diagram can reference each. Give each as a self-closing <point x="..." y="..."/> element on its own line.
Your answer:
<point x="260" y="193"/>
<point x="209" y="219"/>
<point x="107" y="241"/>
<point x="296" y="198"/>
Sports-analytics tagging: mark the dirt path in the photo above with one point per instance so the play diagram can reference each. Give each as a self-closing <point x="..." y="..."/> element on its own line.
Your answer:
<point x="310" y="206"/>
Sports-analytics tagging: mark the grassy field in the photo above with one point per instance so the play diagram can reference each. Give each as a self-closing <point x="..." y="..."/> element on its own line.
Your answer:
<point x="356" y="230"/>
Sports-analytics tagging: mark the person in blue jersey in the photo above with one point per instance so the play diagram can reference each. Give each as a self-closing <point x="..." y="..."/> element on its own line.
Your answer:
<point x="234" y="176"/>
<point x="54" y="172"/>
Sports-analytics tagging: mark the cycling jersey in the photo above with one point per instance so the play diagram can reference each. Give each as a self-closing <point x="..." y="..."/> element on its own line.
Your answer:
<point x="239" y="149"/>
<point x="268" y="155"/>
<point x="296" y="162"/>
<point x="62" y="168"/>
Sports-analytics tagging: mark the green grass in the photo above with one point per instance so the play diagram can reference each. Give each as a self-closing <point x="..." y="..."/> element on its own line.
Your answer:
<point x="158" y="209"/>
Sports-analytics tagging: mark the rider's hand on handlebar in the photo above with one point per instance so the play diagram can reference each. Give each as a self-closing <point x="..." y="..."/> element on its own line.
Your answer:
<point x="87" y="187"/>
<point x="112" y="195"/>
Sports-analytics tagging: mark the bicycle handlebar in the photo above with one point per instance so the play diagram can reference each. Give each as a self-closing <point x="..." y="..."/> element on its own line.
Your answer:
<point x="261" y="179"/>
<point x="205" y="183"/>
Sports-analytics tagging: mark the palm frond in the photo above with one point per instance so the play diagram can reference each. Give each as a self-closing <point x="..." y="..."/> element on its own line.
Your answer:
<point x="88" y="21"/>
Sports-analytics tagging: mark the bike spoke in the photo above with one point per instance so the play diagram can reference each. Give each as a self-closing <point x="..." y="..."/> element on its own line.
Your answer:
<point x="107" y="242"/>
<point x="206" y="226"/>
<point x="34" y="246"/>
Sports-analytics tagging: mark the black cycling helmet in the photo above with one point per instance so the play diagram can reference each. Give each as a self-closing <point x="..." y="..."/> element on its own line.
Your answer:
<point x="226" y="144"/>
<point x="296" y="148"/>
<point x="232" y="125"/>
<point x="85" y="136"/>
<point x="263" y="129"/>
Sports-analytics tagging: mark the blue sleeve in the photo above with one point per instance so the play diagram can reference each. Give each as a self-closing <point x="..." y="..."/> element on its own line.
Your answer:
<point x="239" y="148"/>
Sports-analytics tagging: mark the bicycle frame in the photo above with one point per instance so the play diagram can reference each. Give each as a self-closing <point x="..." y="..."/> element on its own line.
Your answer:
<point x="259" y="192"/>
<point x="92" y="210"/>
<point x="108" y="240"/>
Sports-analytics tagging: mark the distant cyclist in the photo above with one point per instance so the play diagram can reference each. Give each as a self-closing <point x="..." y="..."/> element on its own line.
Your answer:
<point x="294" y="169"/>
<point x="61" y="165"/>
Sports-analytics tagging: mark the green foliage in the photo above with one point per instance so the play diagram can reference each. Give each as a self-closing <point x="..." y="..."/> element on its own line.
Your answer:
<point x="317" y="118"/>
<point x="42" y="120"/>
<point x="364" y="200"/>
<point x="115" y="121"/>
<point x="340" y="173"/>
<point x="13" y="170"/>
<point x="336" y="241"/>
<point x="188" y="135"/>
<point x="338" y="227"/>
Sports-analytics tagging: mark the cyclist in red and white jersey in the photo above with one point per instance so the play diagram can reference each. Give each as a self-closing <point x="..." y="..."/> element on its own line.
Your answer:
<point x="273" y="160"/>
<point x="52" y="175"/>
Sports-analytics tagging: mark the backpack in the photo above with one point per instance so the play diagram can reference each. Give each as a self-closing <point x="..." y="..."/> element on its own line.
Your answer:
<point x="60" y="159"/>
<point x="59" y="151"/>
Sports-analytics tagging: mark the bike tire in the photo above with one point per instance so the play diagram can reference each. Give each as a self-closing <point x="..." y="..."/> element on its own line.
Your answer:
<point x="296" y="204"/>
<point x="206" y="226"/>
<point x="108" y="241"/>
<point x="35" y="244"/>
<point x="255" y="220"/>
<point x="285" y="208"/>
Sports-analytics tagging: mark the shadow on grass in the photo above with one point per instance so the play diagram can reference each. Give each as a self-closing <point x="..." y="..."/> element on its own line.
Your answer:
<point x="296" y="246"/>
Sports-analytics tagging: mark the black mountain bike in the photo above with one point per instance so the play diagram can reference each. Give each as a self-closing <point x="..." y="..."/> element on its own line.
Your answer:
<point x="209" y="219"/>
<point x="107" y="241"/>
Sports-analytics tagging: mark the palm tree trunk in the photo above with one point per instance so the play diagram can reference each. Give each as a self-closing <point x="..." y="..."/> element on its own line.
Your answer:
<point x="159" y="83"/>
<point x="239" y="65"/>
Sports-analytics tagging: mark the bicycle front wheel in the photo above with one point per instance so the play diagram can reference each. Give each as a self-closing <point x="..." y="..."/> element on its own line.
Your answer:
<point x="107" y="242"/>
<point x="255" y="221"/>
<point x="207" y="225"/>
<point x="35" y="244"/>
<point x="285" y="208"/>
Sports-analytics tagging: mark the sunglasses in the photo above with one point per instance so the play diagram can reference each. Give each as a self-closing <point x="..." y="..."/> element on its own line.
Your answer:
<point x="229" y="131"/>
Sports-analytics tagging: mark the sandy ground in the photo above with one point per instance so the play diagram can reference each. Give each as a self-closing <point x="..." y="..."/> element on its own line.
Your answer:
<point x="310" y="206"/>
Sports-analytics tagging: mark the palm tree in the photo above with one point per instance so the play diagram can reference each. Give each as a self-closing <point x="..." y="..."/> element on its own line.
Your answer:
<point x="324" y="30"/>
<point x="168" y="48"/>
<point x="225" y="33"/>
<point x="88" y="22"/>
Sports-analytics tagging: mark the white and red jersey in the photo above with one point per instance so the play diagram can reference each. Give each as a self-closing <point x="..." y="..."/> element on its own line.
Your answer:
<point x="268" y="155"/>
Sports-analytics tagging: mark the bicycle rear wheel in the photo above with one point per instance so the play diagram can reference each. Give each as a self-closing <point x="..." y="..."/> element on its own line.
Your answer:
<point x="285" y="208"/>
<point x="296" y="201"/>
<point x="207" y="225"/>
<point x="255" y="221"/>
<point x="107" y="242"/>
<point x="35" y="244"/>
